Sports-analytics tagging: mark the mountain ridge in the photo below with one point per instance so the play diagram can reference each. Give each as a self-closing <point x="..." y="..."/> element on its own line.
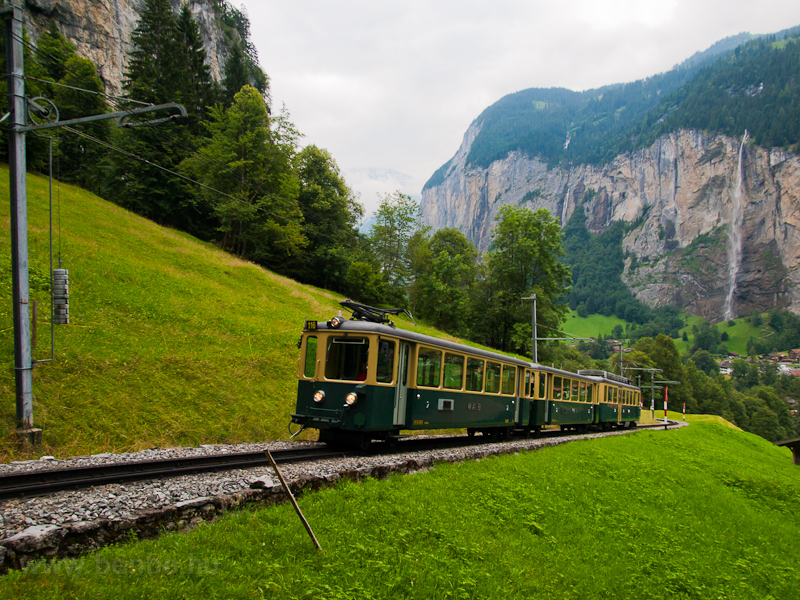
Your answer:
<point x="679" y="167"/>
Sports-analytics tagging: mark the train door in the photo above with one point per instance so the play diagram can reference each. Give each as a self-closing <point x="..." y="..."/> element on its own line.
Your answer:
<point x="401" y="391"/>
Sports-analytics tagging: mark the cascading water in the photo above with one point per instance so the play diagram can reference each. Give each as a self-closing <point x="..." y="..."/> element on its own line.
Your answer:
<point x="735" y="236"/>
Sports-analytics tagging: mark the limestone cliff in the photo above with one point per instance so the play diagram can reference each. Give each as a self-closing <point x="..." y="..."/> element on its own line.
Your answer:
<point x="101" y="30"/>
<point x="678" y="196"/>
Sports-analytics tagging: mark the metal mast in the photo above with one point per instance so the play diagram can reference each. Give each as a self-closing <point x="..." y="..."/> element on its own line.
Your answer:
<point x="12" y="15"/>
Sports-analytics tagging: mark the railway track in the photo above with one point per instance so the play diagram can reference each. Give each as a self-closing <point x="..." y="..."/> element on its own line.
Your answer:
<point x="48" y="481"/>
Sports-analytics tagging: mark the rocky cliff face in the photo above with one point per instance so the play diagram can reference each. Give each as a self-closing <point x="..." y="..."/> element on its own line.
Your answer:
<point x="101" y="30"/>
<point x="678" y="196"/>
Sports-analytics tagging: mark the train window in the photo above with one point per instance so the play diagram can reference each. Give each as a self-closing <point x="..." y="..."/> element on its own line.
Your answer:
<point x="310" y="364"/>
<point x="565" y="387"/>
<point x="557" y="381"/>
<point x="509" y="380"/>
<point x="575" y="395"/>
<point x="474" y="375"/>
<point x="492" y="378"/>
<point x="429" y="367"/>
<point x="385" y="369"/>
<point x="528" y="393"/>
<point x="542" y="385"/>
<point x="583" y="391"/>
<point x="453" y="371"/>
<point x="347" y="358"/>
<point x="589" y="388"/>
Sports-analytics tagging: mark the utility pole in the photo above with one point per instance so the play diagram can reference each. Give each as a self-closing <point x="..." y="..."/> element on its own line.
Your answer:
<point x="26" y="433"/>
<point x="534" y="334"/>
<point x="535" y="339"/>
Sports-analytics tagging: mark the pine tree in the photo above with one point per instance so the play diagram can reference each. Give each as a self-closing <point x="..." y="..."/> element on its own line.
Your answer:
<point x="167" y="64"/>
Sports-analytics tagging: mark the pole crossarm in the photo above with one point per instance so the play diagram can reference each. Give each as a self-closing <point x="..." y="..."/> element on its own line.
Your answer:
<point x="119" y="116"/>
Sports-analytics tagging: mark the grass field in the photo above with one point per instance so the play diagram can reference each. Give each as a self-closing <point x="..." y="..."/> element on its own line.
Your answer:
<point x="591" y="326"/>
<point x="738" y="334"/>
<point x="702" y="512"/>
<point x="171" y="341"/>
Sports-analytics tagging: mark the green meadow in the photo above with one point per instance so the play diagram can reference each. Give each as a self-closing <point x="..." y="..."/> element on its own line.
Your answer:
<point x="171" y="341"/>
<point x="738" y="334"/>
<point x="702" y="512"/>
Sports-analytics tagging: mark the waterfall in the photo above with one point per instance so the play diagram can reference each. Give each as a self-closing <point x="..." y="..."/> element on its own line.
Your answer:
<point x="735" y="236"/>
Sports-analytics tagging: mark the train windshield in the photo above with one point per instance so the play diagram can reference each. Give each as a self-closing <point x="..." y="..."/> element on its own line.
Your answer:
<point x="346" y="358"/>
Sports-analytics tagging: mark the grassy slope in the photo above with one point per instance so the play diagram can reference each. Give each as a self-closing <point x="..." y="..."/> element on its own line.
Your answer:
<point x="703" y="512"/>
<point x="591" y="326"/>
<point x="171" y="341"/>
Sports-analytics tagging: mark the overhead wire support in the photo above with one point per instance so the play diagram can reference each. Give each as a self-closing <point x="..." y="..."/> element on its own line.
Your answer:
<point x="119" y="116"/>
<point x="535" y="339"/>
<point x="18" y="108"/>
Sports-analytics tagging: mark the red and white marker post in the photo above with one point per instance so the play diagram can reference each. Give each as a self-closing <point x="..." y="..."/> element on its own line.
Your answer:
<point x="666" y="391"/>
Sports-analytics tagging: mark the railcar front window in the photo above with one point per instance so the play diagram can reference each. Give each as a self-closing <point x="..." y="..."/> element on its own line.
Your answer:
<point x="429" y="367"/>
<point x="492" y="378"/>
<point x="385" y="369"/>
<point x="509" y="380"/>
<point x="474" y="375"/>
<point x="453" y="371"/>
<point x="310" y="362"/>
<point x="346" y="358"/>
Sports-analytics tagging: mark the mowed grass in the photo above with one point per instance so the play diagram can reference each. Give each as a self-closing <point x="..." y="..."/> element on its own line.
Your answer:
<point x="701" y="512"/>
<point x="172" y="342"/>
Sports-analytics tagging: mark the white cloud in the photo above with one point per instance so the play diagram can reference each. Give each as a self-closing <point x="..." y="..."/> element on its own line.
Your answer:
<point x="393" y="85"/>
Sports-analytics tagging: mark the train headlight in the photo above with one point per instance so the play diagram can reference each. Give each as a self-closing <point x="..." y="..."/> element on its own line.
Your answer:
<point x="319" y="396"/>
<point x="336" y="322"/>
<point x="351" y="399"/>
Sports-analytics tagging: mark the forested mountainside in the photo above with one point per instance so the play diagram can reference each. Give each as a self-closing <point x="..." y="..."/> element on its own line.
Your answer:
<point x="663" y="155"/>
<point x="561" y="126"/>
<point x="102" y="31"/>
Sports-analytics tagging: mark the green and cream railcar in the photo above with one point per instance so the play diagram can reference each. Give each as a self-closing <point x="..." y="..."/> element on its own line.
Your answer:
<point x="359" y="381"/>
<point x="576" y="400"/>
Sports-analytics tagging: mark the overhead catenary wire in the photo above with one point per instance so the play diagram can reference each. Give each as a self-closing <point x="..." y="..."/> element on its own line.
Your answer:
<point x="77" y="89"/>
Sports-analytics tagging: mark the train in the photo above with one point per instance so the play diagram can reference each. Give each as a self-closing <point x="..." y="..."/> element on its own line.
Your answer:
<point x="363" y="379"/>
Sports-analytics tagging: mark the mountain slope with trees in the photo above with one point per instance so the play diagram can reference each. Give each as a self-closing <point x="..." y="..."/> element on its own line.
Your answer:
<point x="719" y="90"/>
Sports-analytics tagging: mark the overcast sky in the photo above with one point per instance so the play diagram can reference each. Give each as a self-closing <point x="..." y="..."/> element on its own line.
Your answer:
<point x="389" y="87"/>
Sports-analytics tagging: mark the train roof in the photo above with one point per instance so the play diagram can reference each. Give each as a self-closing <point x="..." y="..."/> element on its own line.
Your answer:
<point x="352" y="326"/>
<point x="379" y="328"/>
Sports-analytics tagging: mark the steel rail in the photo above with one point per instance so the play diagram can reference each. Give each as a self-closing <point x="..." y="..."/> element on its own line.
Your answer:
<point x="48" y="481"/>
